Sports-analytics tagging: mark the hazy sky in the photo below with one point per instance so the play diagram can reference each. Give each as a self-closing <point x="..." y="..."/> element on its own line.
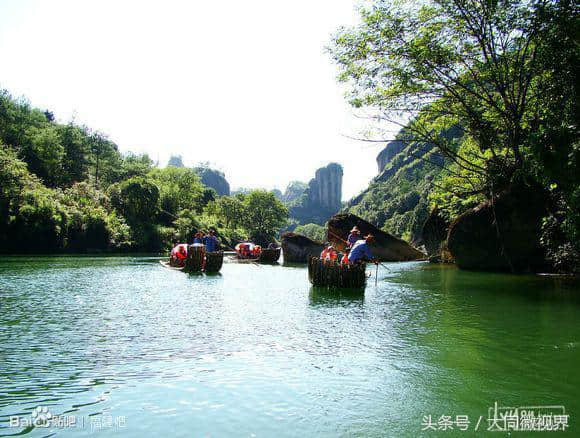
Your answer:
<point x="244" y="85"/>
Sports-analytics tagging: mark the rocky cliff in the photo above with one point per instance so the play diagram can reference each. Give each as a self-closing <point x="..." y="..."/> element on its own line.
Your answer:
<point x="388" y="153"/>
<point x="321" y="199"/>
<point x="326" y="187"/>
<point x="396" y="199"/>
<point x="214" y="179"/>
<point x="293" y="191"/>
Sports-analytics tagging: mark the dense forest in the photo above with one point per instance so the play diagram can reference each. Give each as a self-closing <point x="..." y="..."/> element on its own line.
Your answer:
<point x="67" y="188"/>
<point x="503" y="75"/>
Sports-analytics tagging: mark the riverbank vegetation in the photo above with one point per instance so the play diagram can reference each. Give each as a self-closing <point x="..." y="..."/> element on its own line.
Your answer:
<point x="65" y="187"/>
<point x="312" y="231"/>
<point x="504" y="74"/>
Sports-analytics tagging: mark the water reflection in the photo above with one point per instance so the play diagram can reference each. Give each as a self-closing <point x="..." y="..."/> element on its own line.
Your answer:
<point x="324" y="296"/>
<point x="257" y="350"/>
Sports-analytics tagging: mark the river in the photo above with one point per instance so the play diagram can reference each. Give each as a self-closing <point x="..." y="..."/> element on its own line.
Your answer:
<point x="123" y="346"/>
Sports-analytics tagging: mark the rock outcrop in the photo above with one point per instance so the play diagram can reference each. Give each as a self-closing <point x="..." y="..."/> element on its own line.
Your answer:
<point x="326" y="187"/>
<point x="502" y="236"/>
<point x="434" y="237"/>
<point x="387" y="247"/>
<point x="397" y="198"/>
<point x="294" y="190"/>
<point x="321" y="199"/>
<point x="388" y="153"/>
<point x="175" y="161"/>
<point x="214" y="179"/>
<point x="298" y="248"/>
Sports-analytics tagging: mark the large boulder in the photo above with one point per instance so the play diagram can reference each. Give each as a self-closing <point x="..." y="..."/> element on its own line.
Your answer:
<point x="434" y="237"/>
<point x="298" y="248"/>
<point x="387" y="247"/>
<point x="503" y="235"/>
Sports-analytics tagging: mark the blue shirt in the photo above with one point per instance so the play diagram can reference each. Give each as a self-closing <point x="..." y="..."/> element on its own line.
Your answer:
<point x="353" y="238"/>
<point x="211" y="244"/>
<point x="197" y="240"/>
<point x="359" y="251"/>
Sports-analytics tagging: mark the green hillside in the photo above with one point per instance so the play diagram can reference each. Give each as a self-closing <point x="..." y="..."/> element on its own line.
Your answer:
<point x="397" y="199"/>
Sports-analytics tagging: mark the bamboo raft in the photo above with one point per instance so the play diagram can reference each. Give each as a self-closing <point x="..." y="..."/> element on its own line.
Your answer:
<point x="336" y="275"/>
<point x="266" y="256"/>
<point x="270" y="255"/>
<point x="198" y="260"/>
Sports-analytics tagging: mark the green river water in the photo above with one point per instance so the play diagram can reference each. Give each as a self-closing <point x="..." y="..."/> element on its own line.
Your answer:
<point x="127" y="347"/>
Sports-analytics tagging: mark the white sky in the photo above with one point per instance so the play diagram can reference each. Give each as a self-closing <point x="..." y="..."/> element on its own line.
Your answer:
<point x="244" y="85"/>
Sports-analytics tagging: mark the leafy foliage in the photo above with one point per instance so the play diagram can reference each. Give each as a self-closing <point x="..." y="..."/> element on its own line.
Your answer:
<point x="263" y="216"/>
<point x="312" y="231"/>
<point x="67" y="188"/>
<point x="504" y="73"/>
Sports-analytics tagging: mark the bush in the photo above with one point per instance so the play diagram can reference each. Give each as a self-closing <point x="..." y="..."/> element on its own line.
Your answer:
<point x="312" y="231"/>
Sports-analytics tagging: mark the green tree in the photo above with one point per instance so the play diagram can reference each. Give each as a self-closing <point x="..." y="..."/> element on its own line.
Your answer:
<point x="44" y="153"/>
<point x="264" y="215"/>
<point x="133" y="165"/>
<point x="14" y="177"/>
<point x="228" y="209"/>
<point x="75" y="163"/>
<point x="137" y="199"/>
<point x="473" y="62"/>
<point x="104" y="156"/>
<point x="180" y="189"/>
<point x="504" y="73"/>
<point x="312" y="231"/>
<point x="16" y="120"/>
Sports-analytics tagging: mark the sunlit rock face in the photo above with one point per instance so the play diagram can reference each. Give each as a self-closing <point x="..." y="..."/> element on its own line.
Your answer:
<point x="326" y="187"/>
<point x="322" y="198"/>
<point x="388" y="153"/>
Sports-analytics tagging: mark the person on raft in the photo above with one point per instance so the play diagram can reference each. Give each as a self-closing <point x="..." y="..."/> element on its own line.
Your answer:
<point x="361" y="251"/>
<point x="178" y="255"/>
<point x="353" y="237"/>
<point x="328" y="254"/>
<point x="198" y="238"/>
<point x="211" y="242"/>
<point x="344" y="260"/>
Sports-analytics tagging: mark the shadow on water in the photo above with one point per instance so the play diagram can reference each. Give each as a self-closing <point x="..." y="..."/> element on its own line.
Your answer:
<point x="450" y="279"/>
<point x="294" y="265"/>
<point x="213" y="274"/>
<point x="323" y="296"/>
